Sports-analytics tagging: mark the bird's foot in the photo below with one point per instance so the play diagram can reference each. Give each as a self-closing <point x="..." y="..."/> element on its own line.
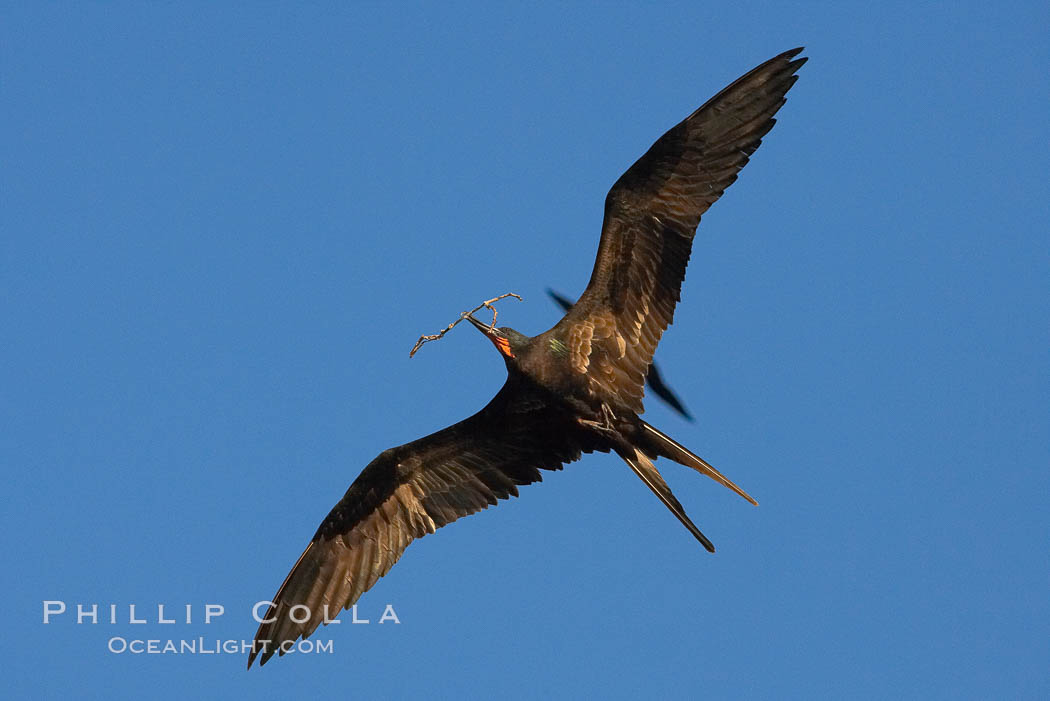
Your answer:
<point x="606" y="424"/>
<point x="599" y="426"/>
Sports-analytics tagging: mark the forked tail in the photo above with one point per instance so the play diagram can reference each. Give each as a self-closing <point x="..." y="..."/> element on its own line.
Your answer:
<point x="667" y="447"/>
<point x="647" y="472"/>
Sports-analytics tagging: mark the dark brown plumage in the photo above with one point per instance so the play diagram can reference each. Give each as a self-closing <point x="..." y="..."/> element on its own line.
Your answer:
<point x="574" y="389"/>
<point x="653" y="379"/>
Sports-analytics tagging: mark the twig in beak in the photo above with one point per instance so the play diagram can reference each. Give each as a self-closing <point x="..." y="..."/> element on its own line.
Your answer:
<point x="487" y="304"/>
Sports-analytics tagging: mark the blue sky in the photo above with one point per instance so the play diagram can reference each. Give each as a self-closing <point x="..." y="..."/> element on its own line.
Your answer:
<point x="225" y="226"/>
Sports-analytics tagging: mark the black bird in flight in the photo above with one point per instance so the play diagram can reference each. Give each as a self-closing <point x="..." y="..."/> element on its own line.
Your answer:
<point x="576" y="388"/>
<point x="653" y="379"/>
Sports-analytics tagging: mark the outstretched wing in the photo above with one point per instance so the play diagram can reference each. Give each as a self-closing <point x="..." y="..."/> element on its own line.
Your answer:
<point x="653" y="378"/>
<point x="412" y="490"/>
<point x="651" y="215"/>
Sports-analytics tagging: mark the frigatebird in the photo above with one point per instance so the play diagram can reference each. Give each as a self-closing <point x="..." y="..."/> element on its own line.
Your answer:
<point x="576" y="388"/>
<point x="653" y="379"/>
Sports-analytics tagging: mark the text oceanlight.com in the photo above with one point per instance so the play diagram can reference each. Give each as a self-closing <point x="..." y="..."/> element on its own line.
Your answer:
<point x="205" y="646"/>
<point x="55" y="611"/>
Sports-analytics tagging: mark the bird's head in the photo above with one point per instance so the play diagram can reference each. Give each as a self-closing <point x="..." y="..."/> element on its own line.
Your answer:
<point x="507" y="341"/>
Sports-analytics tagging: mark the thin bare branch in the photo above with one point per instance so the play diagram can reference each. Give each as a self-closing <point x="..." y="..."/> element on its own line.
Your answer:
<point x="487" y="304"/>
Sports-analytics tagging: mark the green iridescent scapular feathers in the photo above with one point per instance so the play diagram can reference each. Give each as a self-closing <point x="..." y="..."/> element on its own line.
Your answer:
<point x="558" y="348"/>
